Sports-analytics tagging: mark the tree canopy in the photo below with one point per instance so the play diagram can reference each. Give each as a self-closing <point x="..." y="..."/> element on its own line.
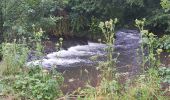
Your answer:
<point x="65" y="17"/>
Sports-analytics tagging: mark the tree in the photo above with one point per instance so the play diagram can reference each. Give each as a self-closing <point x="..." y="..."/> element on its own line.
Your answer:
<point x="18" y="16"/>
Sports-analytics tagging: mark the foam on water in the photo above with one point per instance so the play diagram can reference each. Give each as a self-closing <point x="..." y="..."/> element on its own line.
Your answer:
<point x="126" y="42"/>
<point x="54" y="62"/>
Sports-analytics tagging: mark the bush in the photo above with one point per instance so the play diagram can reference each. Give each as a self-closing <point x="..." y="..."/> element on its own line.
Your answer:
<point x="35" y="84"/>
<point x="14" y="57"/>
<point x="164" y="43"/>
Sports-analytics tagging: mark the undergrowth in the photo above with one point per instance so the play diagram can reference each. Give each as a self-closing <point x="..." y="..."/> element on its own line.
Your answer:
<point x="35" y="83"/>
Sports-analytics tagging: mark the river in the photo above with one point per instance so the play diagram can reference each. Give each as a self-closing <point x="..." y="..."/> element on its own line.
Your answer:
<point x="78" y="66"/>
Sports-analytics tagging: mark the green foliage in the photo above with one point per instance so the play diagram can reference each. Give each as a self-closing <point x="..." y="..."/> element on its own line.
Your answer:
<point x="108" y="30"/>
<point x="19" y="16"/>
<point x="36" y="83"/>
<point x="28" y="83"/>
<point x="14" y="57"/>
<point x="165" y="4"/>
<point x="33" y="18"/>
<point x="143" y="87"/>
<point x="84" y="14"/>
<point x="164" y="43"/>
<point x="149" y="41"/>
<point x="75" y="16"/>
<point x="136" y="2"/>
<point x="37" y="38"/>
<point x="94" y="28"/>
<point x="146" y="87"/>
<point x="108" y="85"/>
<point x="164" y="72"/>
<point x="159" y="18"/>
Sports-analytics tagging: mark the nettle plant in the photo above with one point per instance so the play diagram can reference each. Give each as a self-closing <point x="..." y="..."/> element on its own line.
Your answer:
<point x="109" y="34"/>
<point x="59" y="44"/>
<point x="108" y="85"/>
<point x="148" y="44"/>
<point x="37" y="37"/>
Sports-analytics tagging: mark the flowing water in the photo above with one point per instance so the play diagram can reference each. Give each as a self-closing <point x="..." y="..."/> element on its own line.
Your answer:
<point x="78" y="66"/>
<point x="126" y="44"/>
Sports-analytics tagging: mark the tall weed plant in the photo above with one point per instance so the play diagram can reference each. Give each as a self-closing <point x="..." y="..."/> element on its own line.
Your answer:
<point x="37" y="38"/>
<point x="148" y="46"/>
<point x="107" y="28"/>
<point x="14" y="57"/>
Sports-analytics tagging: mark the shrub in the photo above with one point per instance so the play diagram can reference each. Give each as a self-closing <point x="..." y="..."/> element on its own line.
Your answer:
<point x="35" y="84"/>
<point x="164" y="43"/>
<point x="14" y="57"/>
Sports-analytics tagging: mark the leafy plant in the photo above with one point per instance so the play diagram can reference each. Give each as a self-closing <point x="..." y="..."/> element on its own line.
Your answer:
<point x="38" y="39"/>
<point x="14" y="57"/>
<point x="165" y="4"/>
<point x="37" y="84"/>
<point x="108" y="85"/>
<point x="148" y="44"/>
<point x="17" y="18"/>
<point x="164" y="72"/>
<point x="108" y="31"/>
<point x="164" y="43"/>
<point x="145" y="86"/>
<point x="94" y="28"/>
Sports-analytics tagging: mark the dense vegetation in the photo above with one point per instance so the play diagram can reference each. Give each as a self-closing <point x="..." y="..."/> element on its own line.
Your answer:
<point x="25" y="24"/>
<point x="70" y="17"/>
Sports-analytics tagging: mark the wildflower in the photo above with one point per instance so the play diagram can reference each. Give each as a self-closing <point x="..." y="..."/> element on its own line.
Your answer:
<point x="101" y="25"/>
<point x="107" y="24"/>
<point x="144" y="32"/>
<point x="116" y="20"/>
<point x="137" y="22"/>
<point x="140" y="22"/>
<point x="39" y="34"/>
<point x="60" y="39"/>
<point x="57" y="45"/>
<point x="159" y="51"/>
<point x="41" y="31"/>
<point x="151" y="34"/>
<point x="111" y="21"/>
